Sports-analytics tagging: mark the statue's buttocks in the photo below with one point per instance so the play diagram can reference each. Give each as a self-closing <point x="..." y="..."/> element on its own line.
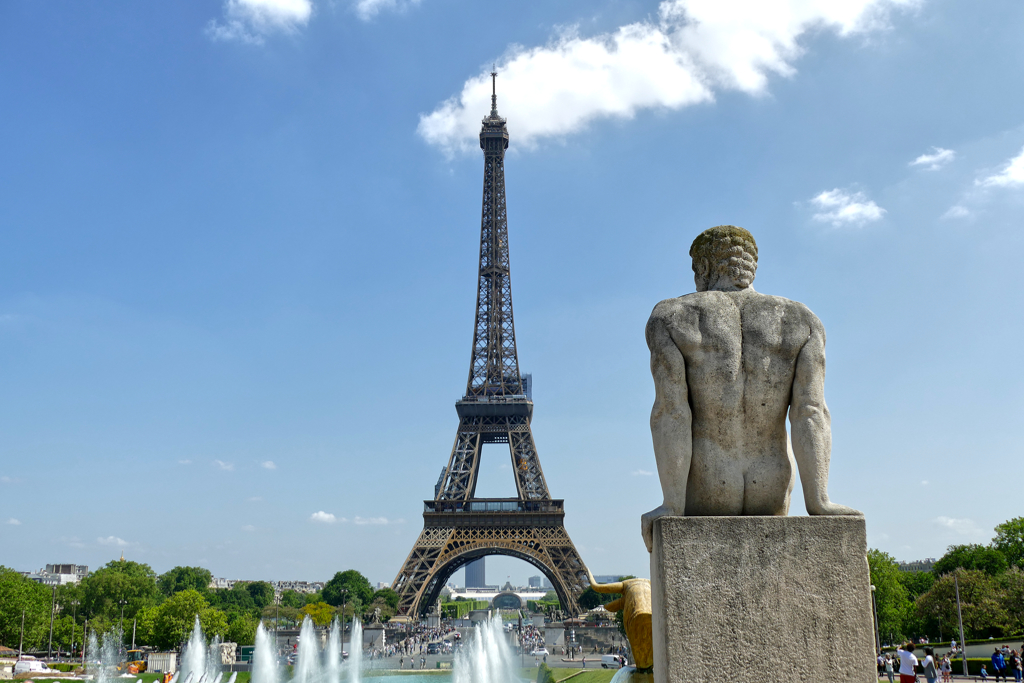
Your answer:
<point x="728" y="364"/>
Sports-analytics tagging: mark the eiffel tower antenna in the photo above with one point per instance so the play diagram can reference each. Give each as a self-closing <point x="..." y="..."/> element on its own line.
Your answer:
<point x="458" y="527"/>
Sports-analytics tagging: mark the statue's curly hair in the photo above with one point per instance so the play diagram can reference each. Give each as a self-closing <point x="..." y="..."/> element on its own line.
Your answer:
<point x="724" y="250"/>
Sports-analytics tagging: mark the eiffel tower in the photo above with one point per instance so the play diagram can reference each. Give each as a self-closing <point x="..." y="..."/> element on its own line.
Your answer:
<point x="458" y="527"/>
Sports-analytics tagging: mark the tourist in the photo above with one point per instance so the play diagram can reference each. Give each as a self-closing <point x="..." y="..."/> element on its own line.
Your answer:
<point x="984" y="674"/>
<point x="1015" y="664"/>
<point x="931" y="672"/>
<point x="908" y="663"/>
<point x="998" y="665"/>
<point x="947" y="669"/>
<point x="888" y="667"/>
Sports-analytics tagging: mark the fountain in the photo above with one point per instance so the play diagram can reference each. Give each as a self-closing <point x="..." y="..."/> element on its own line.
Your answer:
<point x="200" y="663"/>
<point x="487" y="658"/>
<point x="101" y="661"/>
<point x="264" y="658"/>
<point x="355" y="652"/>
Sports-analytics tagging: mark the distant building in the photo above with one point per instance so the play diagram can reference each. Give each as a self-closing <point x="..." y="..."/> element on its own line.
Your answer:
<point x="608" y="578"/>
<point x="918" y="565"/>
<point x="222" y="584"/>
<point x="476" y="574"/>
<point x="58" y="574"/>
<point x="381" y="584"/>
<point x="534" y="581"/>
<point x="298" y="586"/>
<point x="546" y="584"/>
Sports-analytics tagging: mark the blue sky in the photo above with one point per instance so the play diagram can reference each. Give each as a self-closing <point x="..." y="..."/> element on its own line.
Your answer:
<point x="238" y="259"/>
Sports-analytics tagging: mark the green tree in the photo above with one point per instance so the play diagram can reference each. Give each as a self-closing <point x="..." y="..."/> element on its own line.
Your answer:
<point x="981" y="601"/>
<point x="917" y="583"/>
<point x="320" y="612"/>
<point x="388" y="596"/>
<point x="184" y="578"/>
<point x="1010" y="541"/>
<point x="262" y="593"/>
<point x="356" y="584"/>
<point x="290" y="598"/>
<point x="18" y="594"/>
<point x="1012" y="584"/>
<point x="310" y="598"/>
<point x="892" y="598"/>
<point x="119" y="580"/>
<point x="973" y="556"/>
<point x="242" y="629"/>
<point x="171" y="623"/>
<point x="234" y="600"/>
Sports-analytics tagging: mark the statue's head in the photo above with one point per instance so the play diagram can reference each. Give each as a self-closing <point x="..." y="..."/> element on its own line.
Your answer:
<point x="724" y="259"/>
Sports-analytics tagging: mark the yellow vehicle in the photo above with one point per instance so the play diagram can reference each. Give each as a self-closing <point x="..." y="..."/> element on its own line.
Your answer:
<point x="134" y="663"/>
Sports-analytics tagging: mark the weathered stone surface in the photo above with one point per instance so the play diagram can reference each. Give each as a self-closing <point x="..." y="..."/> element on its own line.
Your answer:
<point x="761" y="598"/>
<point x="729" y="364"/>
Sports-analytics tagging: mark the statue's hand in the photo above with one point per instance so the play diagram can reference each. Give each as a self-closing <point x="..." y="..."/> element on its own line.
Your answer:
<point x="647" y="523"/>
<point x="827" y="507"/>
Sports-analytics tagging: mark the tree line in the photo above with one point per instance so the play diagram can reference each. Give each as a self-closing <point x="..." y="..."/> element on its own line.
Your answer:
<point x="990" y="579"/>
<point x="161" y="609"/>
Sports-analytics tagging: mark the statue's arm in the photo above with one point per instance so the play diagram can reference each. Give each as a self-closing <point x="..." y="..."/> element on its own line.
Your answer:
<point x="811" y="425"/>
<point x="670" y="422"/>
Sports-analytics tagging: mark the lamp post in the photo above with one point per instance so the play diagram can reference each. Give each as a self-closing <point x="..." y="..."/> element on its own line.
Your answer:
<point x="53" y="606"/>
<point x="960" y="619"/>
<point x="874" y="609"/>
<point x="122" y="602"/>
<point x="74" y="613"/>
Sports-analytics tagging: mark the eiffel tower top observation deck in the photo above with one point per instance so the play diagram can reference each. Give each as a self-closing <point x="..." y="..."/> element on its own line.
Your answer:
<point x="458" y="527"/>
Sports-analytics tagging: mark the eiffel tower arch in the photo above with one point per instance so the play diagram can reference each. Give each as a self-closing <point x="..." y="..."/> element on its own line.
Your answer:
<point x="458" y="527"/>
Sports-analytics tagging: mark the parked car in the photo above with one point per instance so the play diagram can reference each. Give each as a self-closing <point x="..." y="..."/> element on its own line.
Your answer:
<point x="540" y="652"/>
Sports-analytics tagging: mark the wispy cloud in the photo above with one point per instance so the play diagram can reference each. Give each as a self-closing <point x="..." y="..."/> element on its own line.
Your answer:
<point x="248" y="527"/>
<point x="325" y="518"/>
<point x="957" y="211"/>
<point x="255" y="499"/>
<point x="693" y="49"/>
<point x="112" y="540"/>
<point x="184" y="462"/>
<point x="962" y="527"/>
<point x="8" y="480"/>
<point x="642" y="473"/>
<point x="14" y="522"/>
<point x="1011" y="175"/>
<point x="938" y="158"/>
<point x="225" y="466"/>
<point x="842" y="208"/>
<point x="268" y="465"/>
<point x="368" y="9"/>
<point x="376" y="520"/>
<point x="251" y="21"/>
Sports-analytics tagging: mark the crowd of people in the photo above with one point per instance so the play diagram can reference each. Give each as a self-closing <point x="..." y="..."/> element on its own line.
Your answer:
<point x="1005" y="662"/>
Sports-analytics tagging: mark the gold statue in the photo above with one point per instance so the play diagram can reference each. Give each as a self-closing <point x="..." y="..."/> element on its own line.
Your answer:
<point x="635" y="604"/>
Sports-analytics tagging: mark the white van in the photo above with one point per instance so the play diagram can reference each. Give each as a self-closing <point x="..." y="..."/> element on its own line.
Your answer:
<point x="31" y="664"/>
<point x="611" y="662"/>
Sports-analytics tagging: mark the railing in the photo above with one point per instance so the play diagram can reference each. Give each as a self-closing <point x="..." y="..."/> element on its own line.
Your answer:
<point x="493" y="505"/>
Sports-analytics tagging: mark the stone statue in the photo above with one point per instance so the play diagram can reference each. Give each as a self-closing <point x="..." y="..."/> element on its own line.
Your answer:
<point x="635" y="604"/>
<point x="728" y="364"/>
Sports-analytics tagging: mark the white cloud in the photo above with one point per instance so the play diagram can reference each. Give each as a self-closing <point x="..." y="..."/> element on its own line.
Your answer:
<point x="250" y="21"/>
<point x="642" y="473"/>
<point x="936" y="160"/>
<point x="14" y="522"/>
<point x="255" y="499"/>
<point x="957" y="211"/>
<point x="325" y="518"/>
<point x="962" y="527"/>
<point x="841" y="208"/>
<point x="924" y="482"/>
<point x="268" y="465"/>
<point x="1012" y="174"/>
<point x="7" y="480"/>
<point x="376" y="520"/>
<point x="694" y="48"/>
<point x="112" y="540"/>
<point x="226" y="466"/>
<point x="368" y="9"/>
<point x="184" y="462"/>
<point x="248" y="527"/>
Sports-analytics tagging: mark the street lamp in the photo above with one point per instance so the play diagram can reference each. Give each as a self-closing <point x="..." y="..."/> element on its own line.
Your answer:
<point x="53" y="606"/>
<point x="122" y="602"/>
<point x="874" y="608"/>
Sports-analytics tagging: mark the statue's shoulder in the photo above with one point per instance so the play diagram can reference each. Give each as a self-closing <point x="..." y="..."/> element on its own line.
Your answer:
<point x="792" y="309"/>
<point x="681" y="305"/>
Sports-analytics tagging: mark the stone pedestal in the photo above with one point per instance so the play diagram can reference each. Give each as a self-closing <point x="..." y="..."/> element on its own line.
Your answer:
<point x="776" y="599"/>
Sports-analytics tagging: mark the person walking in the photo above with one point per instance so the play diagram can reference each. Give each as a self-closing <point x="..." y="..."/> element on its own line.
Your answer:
<point x="888" y="668"/>
<point x="998" y="665"/>
<point x="931" y="672"/>
<point x="947" y="669"/>
<point x="1016" y="665"/>
<point x="908" y="663"/>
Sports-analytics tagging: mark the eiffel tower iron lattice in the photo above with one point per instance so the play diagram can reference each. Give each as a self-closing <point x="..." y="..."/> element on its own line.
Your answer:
<point x="458" y="527"/>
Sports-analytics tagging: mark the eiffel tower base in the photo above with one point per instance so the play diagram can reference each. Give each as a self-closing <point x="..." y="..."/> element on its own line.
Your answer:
<point x="442" y="548"/>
